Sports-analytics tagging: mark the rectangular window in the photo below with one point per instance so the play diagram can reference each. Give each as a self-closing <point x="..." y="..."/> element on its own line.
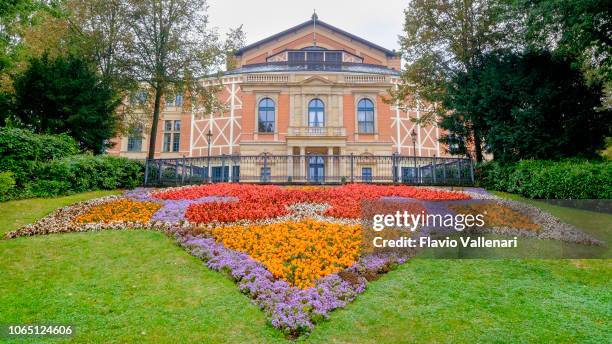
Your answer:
<point x="172" y="136"/>
<point x="176" y="140"/>
<point x="366" y="174"/>
<point x="265" y="175"/>
<point x="333" y="57"/>
<point x="135" y="140"/>
<point x="314" y="57"/>
<point x="366" y="127"/>
<point x="296" y="57"/>
<point x="175" y="100"/>
<point x="167" y="141"/>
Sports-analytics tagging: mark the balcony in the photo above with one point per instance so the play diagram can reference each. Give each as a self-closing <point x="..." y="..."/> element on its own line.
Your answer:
<point x="317" y="131"/>
<point x="378" y="71"/>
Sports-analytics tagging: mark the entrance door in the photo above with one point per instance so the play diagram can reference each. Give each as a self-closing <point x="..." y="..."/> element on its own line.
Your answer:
<point x="316" y="169"/>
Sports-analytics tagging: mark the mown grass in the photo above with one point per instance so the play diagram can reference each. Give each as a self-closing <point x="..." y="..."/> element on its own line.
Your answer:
<point x="123" y="287"/>
<point x="137" y="286"/>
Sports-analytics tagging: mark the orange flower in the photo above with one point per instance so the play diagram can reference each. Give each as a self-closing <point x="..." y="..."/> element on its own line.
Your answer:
<point x="298" y="252"/>
<point x="122" y="210"/>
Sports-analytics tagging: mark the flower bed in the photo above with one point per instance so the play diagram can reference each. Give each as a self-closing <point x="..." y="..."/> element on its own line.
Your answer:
<point x="261" y="202"/>
<point x="298" y="253"/>
<point x="496" y="215"/>
<point x="295" y="251"/>
<point x="292" y="310"/>
<point x="123" y="210"/>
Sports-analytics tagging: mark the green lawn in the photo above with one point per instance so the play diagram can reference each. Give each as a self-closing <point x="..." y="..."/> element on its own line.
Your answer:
<point x="139" y="287"/>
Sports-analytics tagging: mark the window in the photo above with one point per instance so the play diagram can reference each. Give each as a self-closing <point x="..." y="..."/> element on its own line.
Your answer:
<point x="333" y="57"/>
<point x="135" y="139"/>
<point x="316" y="113"/>
<point x="314" y="57"/>
<point x="139" y="98"/>
<point x="266" y="116"/>
<point x="175" y="101"/>
<point x="366" y="174"/>
<point x="172" y="136"/>
<point x="365" y="116"/>
<point x="265" y="174"/>
<point x="296" y="57"/>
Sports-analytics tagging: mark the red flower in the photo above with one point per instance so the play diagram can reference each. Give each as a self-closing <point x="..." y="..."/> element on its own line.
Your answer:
<point x="259" y="202"/>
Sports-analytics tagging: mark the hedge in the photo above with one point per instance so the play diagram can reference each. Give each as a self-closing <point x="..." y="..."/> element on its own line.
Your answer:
<point x="23" y="152"/>
<point x="34" y="165"/>
<point x="81" y="173"/>
<point x="7" y="183"/>
<point x="542" y="179"/>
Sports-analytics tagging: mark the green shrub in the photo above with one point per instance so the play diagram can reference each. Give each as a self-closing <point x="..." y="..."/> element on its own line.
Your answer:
<point x="48" y="188"/>
<point x="23" y="152"/>
<point x="567" y="179"/>
<point x="81" y="173"/>
<point x="7" y="183"/>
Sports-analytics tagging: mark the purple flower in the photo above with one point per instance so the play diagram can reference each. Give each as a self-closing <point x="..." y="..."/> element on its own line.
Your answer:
<point x="172" y="211"/>
<point x="290" y="309"/>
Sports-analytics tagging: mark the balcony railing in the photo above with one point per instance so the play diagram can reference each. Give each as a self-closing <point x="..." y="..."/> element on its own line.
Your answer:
<point x="267" y="78"/>
<point x="317" y="131"/>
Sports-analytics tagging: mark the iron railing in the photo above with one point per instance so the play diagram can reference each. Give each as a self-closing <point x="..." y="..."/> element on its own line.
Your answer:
<point x="310" y="169"/>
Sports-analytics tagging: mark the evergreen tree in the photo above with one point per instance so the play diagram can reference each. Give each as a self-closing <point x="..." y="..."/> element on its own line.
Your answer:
<point x="65" y="95"/>
<point x="530" y="105"/>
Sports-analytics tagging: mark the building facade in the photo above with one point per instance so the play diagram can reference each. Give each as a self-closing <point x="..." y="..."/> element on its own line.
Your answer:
<point x="313" y="89"/>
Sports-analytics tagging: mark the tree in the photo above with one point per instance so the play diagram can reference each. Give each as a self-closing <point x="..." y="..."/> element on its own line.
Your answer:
<point x="533" y="105"/>
<point x="65" y="95"/>
<point x="12" y="13"/>
<point x="581" y="29"/>
<point x="99" y="30"/>
<point x="170" y="48"/>
<point x="444" y="38"/>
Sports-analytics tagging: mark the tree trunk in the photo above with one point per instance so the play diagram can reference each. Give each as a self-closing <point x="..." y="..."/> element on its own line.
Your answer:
<point x="153" y="134"/>
<point x="477" y="146"/>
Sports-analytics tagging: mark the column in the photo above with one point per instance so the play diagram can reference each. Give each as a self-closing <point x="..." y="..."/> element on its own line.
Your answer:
<point x="303" y="174"/>
<point x="290" y="163"/>
<point x="330" y="175"/>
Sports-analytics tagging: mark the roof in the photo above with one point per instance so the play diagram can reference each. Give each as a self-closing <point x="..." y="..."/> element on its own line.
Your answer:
<point x="319" y="22"/>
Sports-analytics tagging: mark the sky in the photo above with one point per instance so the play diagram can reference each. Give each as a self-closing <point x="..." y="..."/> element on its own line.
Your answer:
<point x="378" y="21"/>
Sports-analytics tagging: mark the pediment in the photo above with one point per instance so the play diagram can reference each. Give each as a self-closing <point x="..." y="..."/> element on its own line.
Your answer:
<point x="316" y="81"/>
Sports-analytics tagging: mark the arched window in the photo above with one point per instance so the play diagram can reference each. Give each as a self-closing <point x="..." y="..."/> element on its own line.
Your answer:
<point x="316" y="113"/>
<point x="266" y="116"/>
<point x="365" y="116"/>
